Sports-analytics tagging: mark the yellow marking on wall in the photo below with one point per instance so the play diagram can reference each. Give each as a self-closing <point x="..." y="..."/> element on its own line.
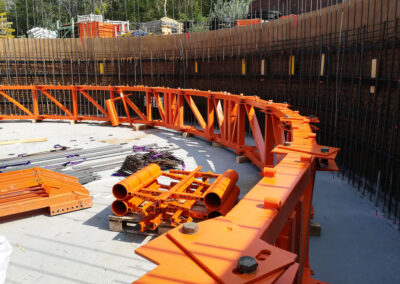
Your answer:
<point x="373" y="68"/>
<point x="101" y="68"/>
<point x="322" y="64"/>
<point x="262" y="67"/>
<point x="243" y="66"/>
<point x="291" y="65"/>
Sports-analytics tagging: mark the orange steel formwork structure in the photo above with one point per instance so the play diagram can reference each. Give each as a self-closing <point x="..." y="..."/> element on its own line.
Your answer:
<point x="37" y="188"/>
<point x="270" y="224"/>
<point x="189" y="195"/>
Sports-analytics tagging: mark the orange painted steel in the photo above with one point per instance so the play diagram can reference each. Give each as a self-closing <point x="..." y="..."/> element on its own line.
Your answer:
<point x="37" y="188"/>
<point x="177" y="203"/>
<point x="137" y="181"/>
<point x="270" y="223"/>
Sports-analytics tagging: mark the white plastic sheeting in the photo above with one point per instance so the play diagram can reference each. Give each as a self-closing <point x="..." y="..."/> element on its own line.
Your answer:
<point x="5" y="254"/>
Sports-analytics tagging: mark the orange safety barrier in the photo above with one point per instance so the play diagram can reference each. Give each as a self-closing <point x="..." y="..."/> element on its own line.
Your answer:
<point x="98" y="30"/>
<point x="270" y="225"/>
<point x="177" y="203"/>
<point x="247" y="22"/>
<point x="37" y="188"/>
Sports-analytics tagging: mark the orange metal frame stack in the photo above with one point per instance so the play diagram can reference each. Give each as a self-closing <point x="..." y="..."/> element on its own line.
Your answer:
<point x="190" y="195"/>
<point x="97" y="30"/>
<point x="27" y="190"/>
<point x="270" y="224"/>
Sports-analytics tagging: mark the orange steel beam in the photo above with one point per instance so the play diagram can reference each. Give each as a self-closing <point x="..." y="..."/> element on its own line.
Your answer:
<point x="270" y="224"/>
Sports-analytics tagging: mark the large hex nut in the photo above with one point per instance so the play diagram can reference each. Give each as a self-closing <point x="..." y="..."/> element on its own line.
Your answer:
<point x="247" y="264"/>
<point x="325" y="150"/>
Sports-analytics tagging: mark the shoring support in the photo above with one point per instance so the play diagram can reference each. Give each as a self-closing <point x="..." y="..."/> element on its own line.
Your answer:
<point x="262" y="217"/>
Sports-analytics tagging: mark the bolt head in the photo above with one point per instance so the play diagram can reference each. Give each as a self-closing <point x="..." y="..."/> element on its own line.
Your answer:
<point x="247" y="264"/>
<point x="287" y="143"/>
<point x="324" y="150"/>
<point x="190" y="228"/>
<point x="287" y="116"/>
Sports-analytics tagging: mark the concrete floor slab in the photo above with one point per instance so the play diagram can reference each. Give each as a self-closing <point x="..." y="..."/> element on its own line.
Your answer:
<point x="78" y="247"/>
<point x="356" y="244"/>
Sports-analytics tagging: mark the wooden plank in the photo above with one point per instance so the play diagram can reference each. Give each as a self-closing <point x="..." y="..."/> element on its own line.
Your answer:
<point x="130" y="224"/>
<point x="33" y="140"/>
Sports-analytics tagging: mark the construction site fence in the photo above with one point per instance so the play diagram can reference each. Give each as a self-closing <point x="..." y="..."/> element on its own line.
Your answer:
<point x="341" y="64"/>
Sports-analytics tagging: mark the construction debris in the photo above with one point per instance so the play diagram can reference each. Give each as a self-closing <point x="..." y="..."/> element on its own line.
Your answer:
<point x="164" y="26"/>
<point x="27" y="190"/>
<point x="89" y="18"/>
<point x="85" y="164"/>
<point x="66" y="161"/>
<point x="186" y="197"/>
<point x="150" y="155"/>
<point x="41" y="33"/>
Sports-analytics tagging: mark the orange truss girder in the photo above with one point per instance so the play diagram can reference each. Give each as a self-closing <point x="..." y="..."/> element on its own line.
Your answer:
<point x="269" y="224"/>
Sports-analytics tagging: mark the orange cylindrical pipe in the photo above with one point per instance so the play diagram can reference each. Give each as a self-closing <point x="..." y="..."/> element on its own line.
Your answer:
<point x="220" y="190"/>
<point x="122" y="207"/>
<point x="227" y="205"/>
<point x="136" y="181"/>
<point x="112" y="113"/>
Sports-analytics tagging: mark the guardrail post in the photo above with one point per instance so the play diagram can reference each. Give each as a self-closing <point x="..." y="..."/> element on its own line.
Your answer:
<point x="210" y="116"/>
<point x="35" y="104"/>
<point x="148" y="106"/>
<point x="74" y="104"/>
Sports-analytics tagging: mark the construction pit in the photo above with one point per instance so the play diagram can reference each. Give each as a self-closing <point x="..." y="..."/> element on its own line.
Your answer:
<point x="289" y="124"/>
<point x="78" y="247"/>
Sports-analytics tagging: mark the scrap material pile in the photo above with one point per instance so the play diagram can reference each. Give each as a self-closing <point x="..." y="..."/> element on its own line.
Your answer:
<point x="149" y="155"/>
<point x="38" y="32"/>
<point x="187" y="196"/>
<point x="83" y="164"/>
<point x="26" y="190"/>
<point x="164" y="26"/>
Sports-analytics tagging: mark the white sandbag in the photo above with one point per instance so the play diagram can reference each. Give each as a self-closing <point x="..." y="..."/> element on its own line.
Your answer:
<point x="5" y="255"/>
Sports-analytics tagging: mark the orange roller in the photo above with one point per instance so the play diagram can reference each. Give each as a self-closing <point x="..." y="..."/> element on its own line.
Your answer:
<point x="227" y="204"/>
<point x="112" y="113"/>
<point x="220" y="190"/>
<point x="133" y="183"/>
<point x="122" y="207"/>
<point x="272" y="202"/>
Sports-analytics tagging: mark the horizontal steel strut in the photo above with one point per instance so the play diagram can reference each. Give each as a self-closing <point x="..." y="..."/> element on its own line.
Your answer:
<point x="270" y="225"/>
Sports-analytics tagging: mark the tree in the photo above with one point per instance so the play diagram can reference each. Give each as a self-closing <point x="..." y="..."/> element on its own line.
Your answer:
<point x="26" y="14"/>
<point x="229" y="10"/>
